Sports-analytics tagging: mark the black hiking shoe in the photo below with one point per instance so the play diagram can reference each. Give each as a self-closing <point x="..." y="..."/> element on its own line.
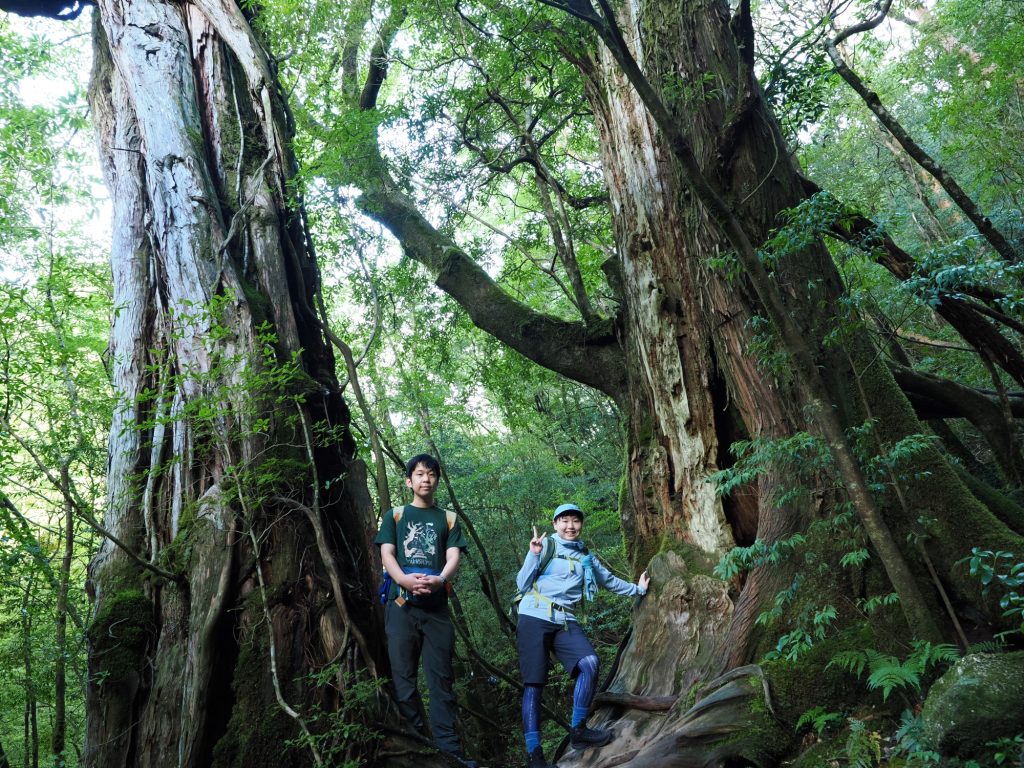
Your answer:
<point x="537" y="759"/>
<point x="465" y="760"/>
<point x="582" y="737"/>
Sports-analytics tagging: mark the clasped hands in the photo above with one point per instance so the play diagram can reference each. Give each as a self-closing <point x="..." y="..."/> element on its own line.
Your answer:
<point x="420" y="584"/>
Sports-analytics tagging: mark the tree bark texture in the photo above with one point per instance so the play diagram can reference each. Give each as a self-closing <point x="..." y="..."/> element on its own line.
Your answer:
<point x="242" y="484"/>
<point x="687" y="373"/>
<point x="694" y="384"/>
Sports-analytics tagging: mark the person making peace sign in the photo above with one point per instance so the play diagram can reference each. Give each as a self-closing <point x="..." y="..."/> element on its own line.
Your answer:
<point x="557" y="574"/>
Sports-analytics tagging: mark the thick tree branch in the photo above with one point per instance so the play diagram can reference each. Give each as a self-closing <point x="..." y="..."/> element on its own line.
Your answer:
<point x="379" y="57"/>
<point x="591" y="356"/>
<point x="945" y="395"/>
<point x="934" y="397"/>
<point x="966" y="317"/>
<point x="62" y="10"/>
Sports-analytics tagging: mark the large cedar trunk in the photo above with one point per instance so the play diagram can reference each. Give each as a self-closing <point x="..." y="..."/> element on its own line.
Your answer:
<point x="683" y="367"/>
<point x="695" y="387"/>
<point x="233" y="480"/>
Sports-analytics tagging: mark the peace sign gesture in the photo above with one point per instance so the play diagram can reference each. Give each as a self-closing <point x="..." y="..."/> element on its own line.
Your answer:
<point x="537" y="542"/>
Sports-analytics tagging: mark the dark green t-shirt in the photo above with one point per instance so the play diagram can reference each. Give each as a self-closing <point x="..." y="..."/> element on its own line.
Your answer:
<point x="421" y="538"/>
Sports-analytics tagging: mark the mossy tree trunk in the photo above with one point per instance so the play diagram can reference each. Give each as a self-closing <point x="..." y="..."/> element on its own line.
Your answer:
<point x="685" y="362"/>
<point x="696" y="386"/>
<point x="244" y="562"/>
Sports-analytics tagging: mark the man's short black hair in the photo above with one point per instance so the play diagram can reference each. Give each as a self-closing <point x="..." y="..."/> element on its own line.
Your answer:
<point x="426" y="460"/>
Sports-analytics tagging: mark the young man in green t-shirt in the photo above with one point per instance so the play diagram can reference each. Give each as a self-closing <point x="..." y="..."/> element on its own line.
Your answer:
<point x="420" y="547"/>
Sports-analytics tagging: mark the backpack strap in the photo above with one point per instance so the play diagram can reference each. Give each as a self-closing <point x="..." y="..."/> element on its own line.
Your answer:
<point x="546" y="556"/>
<point x="385" y="580"/>
<point x="450" y="517"/>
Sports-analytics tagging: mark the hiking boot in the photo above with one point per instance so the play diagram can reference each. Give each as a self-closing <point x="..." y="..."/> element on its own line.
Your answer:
<point x="582" y="737"/>
<point x="537" y="759"/>
<point x="464" y="760"/>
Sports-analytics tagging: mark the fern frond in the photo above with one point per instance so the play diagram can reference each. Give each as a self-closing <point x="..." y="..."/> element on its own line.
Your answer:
<point x="926" y="655"/>
<point x="878" y="660"/>
<point x="852" y="661"/>
<point x="987" y="646"/>
<point x="863" y="747"/>
<point x="893" y="676"/>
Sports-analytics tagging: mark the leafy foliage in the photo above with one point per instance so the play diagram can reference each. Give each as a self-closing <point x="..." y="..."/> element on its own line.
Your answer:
<point x="1003" y="570"/>
<point x="818" y="719"/>
<point x="889" y="673"/>
<point x="341" y="735"/>
<point x="484" y="122"/>
<point x="863" y="746"/>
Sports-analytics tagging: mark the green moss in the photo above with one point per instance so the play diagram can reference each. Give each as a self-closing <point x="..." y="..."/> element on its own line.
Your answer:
<point x="979" y="700"/>
<point x="800" y="685"/>
<point x="177" y="556"/>
<point x="934" y="492"/>
<point x="762" y="739"/>
<point x="697" y="560"/>
<point x="999" y="504"/>
<point x="823" y="754"/>
<point x="258" y="729"/>
<point x="260" y="306"/>
<point x="691" y="694"/>
<point x="757" y="706"/>
<point x="120" y="635"/>
<point x="644" y="432"/>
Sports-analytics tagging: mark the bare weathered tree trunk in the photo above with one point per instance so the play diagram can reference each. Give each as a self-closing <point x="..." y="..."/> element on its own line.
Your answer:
<point x="195" y="150"/>
<point x="231" y="465"/>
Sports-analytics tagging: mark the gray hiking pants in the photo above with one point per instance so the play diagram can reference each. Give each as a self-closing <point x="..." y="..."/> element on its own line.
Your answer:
<point x="416" y="634"/>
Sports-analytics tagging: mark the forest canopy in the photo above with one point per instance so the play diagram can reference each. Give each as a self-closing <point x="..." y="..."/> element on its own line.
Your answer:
<point x="743" y="280"/>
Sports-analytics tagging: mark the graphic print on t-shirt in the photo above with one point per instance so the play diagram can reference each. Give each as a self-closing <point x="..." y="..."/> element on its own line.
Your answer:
<point x="420" y="544"/>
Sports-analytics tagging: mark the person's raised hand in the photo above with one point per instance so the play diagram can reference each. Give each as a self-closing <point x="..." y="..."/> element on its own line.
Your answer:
<point x="537" y="542"/>
<point x="644" y="581"/>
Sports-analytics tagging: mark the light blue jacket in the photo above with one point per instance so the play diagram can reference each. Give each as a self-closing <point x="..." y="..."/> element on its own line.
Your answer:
<point x="559" y="589"/>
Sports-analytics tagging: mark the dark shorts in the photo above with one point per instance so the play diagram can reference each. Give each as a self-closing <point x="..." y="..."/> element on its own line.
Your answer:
<point x="537" y="638"/>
